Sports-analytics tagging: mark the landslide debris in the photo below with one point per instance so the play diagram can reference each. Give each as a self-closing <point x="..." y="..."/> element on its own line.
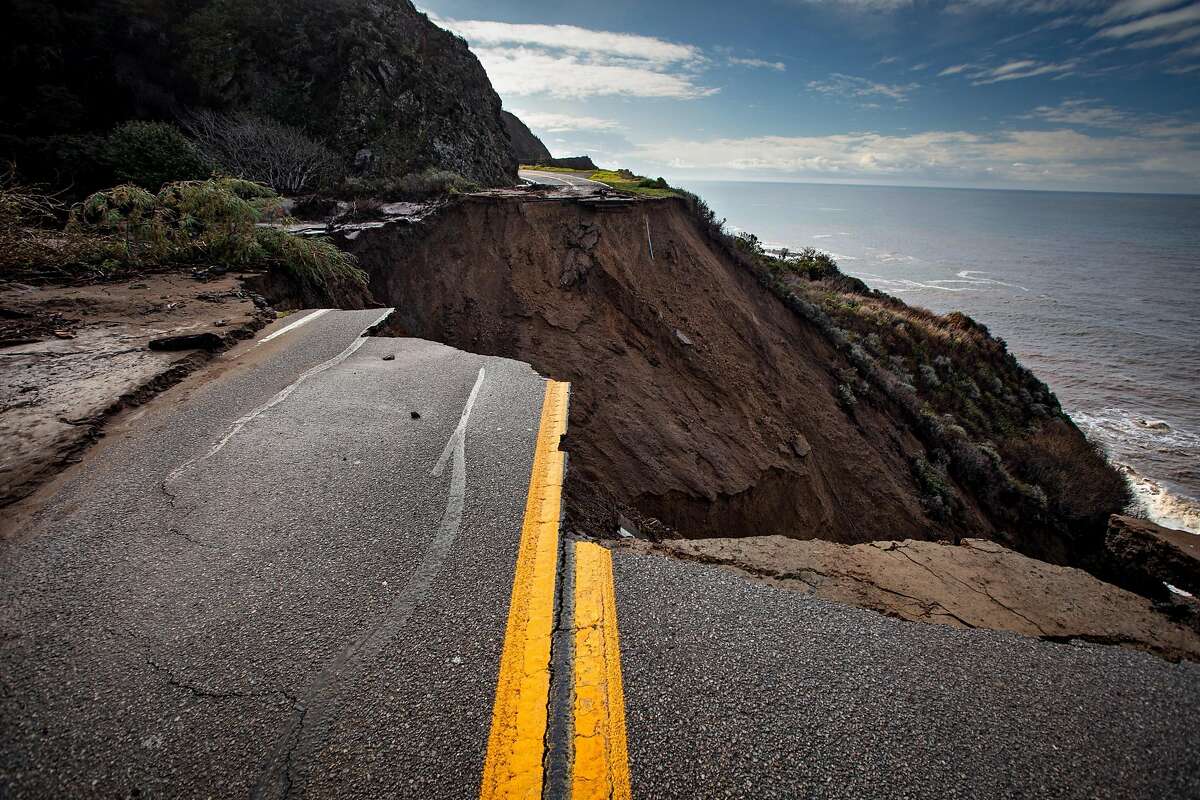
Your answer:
<point x="96" y="355"/>
<point x="719" y="394"/>
<point x="976" y="584"/>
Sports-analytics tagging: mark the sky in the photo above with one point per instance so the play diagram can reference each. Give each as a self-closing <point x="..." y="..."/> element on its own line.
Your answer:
<point x="1040" y="94"/>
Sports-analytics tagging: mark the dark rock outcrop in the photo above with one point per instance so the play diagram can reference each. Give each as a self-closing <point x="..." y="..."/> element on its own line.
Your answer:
<point x="1143" y="556"/>
<point x="572" y="162"/>
<point x="527" y="147"/>
<point x="376" y="80"/>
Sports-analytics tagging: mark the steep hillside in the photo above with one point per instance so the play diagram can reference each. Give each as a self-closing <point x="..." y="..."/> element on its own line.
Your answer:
<point x="375" y="80"/>
<point x="527" y="147"/>
<point x="704" y="403"/>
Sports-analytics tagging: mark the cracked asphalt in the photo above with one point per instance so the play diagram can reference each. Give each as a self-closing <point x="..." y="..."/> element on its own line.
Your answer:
<point x="738" y="689"/>
<point x="269" y="619"/>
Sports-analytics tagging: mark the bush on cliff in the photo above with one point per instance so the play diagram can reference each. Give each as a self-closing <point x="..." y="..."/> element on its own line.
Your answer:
<point x="263" y="150"/>
<point x="150" y="154"/>
<point x="209" y="222"/>
<point x="128" y="229"/>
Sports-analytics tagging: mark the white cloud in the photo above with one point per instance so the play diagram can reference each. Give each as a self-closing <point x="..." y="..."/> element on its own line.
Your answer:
<point x="856" y="88"/>
<point x="1132" y="8"/>
<point x="567" y="61"/>
<point x="1157" y="22"/>
<point x="954" y="70"/>
<point x="1083" y="112"/>
<point x="1014" y="71"/>
<point x="864" y="5"/>
<point x="1182" y="35"/>
<point x="1095" y="114"/>
<point x="758" y="63"/>
<point x="521" y="71"/>
<point x="1023" y="156"/>
<point x="557" y="123"/>
<point x="1021" y="6"/>
<point x="572" y="38"/>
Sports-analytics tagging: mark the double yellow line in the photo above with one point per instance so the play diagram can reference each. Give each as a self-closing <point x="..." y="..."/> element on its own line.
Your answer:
<point x="516" y="747"/>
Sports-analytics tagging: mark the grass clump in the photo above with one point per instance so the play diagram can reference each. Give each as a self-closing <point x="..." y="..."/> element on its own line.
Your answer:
<point x="625" y="181"/>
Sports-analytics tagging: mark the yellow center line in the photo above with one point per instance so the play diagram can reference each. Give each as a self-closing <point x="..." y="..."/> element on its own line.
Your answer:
<point x="601" y="760"/>
<point x="513" y="766"/>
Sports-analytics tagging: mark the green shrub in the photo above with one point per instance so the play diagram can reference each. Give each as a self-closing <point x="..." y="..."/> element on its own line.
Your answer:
<point x="208" y="222"/>
<point x="150" y="154"/>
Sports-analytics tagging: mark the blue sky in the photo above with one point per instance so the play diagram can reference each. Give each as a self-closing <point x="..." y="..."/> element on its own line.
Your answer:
<point x="1049" y="94"/>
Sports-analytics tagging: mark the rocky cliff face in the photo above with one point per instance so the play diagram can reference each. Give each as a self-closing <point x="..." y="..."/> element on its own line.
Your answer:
<point x="390" y="91"/>
<point x="527" y="147"/>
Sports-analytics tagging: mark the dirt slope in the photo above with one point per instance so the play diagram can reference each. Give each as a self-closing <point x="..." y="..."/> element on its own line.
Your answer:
<point x="699" y="401"/>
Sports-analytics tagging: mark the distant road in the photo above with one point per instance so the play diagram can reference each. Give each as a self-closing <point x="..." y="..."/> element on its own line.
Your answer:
<point x="560" y="179"/>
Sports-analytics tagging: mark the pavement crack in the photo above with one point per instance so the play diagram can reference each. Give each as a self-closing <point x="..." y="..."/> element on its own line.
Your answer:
<point x="975" y="589"/>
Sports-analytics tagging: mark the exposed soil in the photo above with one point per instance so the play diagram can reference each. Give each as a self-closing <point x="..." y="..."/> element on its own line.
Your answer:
<point x="72" y="356"/>
<point x="701" y="406"/>
<point x="978" y="584"/>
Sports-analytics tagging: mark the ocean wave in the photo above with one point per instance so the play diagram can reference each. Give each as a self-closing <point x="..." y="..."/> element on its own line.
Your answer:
<point x="1160" y="505"/>
<point x="1128" y="434"/>
<point x="1133" y="430"/>
<point x="906" y="284"/>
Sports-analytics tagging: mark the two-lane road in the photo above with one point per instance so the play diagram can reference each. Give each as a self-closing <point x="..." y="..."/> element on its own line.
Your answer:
<point x="333" y="568"/>
<point x="293" y="579"/>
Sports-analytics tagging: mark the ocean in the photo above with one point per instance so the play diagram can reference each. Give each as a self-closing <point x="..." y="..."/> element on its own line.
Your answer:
<point x="1098" y="294"/>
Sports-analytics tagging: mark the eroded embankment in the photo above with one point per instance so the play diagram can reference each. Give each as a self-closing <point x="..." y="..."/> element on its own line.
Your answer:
<point x="700" y="401"/>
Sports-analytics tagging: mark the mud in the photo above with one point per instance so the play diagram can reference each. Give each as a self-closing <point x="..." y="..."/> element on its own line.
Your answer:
<point x="701" y="405"/>
<point x="76" y="355"/>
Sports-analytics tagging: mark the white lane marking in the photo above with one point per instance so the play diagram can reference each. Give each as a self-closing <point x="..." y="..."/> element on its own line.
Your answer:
<point x="459" y="434"/>
<point x="307" y="318"/>
<point x="279" y="397"/>
<point x="314" y="706"/>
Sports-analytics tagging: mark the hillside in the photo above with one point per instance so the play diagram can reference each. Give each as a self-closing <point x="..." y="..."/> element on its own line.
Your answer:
<point x="710" y="399"/>
<point x="374" y="80"/>
<point x="527" y="147"/>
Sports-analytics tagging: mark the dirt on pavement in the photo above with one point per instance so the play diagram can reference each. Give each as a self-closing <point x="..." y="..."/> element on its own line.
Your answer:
<point x="71" y="356"/>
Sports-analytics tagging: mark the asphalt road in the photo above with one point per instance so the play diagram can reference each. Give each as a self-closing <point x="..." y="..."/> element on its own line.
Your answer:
<point x="244" y="593"/>
<point x="293" y="578"/>
<point x="738" y="689"/>
<point x="563" y="179"/>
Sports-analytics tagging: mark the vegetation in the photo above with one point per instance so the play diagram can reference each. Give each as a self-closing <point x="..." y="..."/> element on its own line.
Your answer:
<point x="150" y="154"/>
<point x="625" y="181"/>
<point x="128" y="229"/>
<point x="263" y="150"/>
<point x="422" y="185"/>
